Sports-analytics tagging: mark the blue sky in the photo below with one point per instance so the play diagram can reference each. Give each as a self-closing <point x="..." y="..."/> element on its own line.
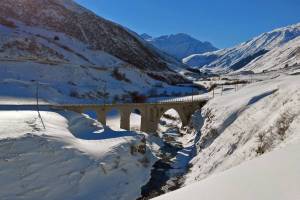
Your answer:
<point x="222" y="22"/>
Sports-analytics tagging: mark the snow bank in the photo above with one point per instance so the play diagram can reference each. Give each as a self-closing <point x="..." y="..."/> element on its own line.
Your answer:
<point x="272" y="176"/>
<point x="74" y="158"/>
<point x="243" y="125"/>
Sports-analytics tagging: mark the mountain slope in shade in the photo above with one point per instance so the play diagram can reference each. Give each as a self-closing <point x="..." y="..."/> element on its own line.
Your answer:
<point x="179" y="45"/>
<point x="145" y="36"/>
<point x="239" y="56"/>
<point x="67" y="17"/>
<point x="75" y="53"/>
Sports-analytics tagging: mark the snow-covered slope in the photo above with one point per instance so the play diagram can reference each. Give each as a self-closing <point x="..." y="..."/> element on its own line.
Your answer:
<point x="67" y="17"/>
<point x="239" y="56"/>
<point x="88" y="55"/>
<point x="284" y="56"/>
<point x="260" y="122"/>
<point x="179" y="45"/>
<point x="74" y="158"/>
<point x="242" y="125"/>
<point x="273" y="176"/>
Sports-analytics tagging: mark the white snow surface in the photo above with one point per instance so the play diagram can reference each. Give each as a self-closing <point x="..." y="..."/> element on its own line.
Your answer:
<point x="74" y="158"/>
<point x="249" y="145"/>
<point x="79" y="71"/>
<point x="281" y="57"/>
<point x="272" y="176"/>
<point x="238" y="125"/>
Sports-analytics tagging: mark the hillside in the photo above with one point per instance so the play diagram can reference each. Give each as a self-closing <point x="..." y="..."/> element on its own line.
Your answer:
<point x="285" y="56"/>
<point x="239" y="56"/>
<point x="67" y="17"/>
<point x="262" y="178"/>
<point x="88" y="55"/>
<point x="179" y="45"/>
<point x="242" y="125"/>
<point x="247" y="144"/>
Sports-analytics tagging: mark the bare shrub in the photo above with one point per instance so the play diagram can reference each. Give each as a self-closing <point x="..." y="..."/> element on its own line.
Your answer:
<point x="265" y="143"/>
<point x="119" y="76"/>
<point x="74" y="93"/>
<point x="283" y="124"/>
<point x="137" y="98"/>
<point x="56" y="38"/>
<point x="7" y="23"/>
<point x="208" y="139"/>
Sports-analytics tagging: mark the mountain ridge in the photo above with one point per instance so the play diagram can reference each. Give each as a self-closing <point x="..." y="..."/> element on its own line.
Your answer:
<point x="72" y="19"/>
<point x="239" y="56"/>
<point x="89" y="56"/>
<point x="179" y="45"/>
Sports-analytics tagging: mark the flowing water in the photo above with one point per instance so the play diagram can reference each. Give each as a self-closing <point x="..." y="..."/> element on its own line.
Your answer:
<point x="164" y="177"/>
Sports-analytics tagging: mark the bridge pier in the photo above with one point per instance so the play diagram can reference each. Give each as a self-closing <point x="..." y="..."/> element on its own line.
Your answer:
<point x="125" y="120"/>
<point x="148" y="121"/>
<point x="101" y="116"/>
<point x="150" y="112"/>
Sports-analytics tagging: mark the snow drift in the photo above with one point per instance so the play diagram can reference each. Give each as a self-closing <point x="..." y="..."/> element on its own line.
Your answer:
<point x="74" y="158"/>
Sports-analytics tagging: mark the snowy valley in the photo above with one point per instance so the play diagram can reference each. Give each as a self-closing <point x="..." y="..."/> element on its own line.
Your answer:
<point x="225" y="124"/>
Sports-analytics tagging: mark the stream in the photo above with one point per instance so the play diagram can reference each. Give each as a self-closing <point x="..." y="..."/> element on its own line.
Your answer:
<point x="167" y="173"/>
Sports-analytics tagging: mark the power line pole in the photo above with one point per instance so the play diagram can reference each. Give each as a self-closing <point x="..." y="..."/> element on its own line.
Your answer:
<point x="192" y="94"/>
<point x="222" y="89"/>
<point x="37" y="104"/>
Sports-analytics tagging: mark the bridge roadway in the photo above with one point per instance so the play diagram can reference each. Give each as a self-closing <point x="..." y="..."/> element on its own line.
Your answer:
<point x="150" y="112"/>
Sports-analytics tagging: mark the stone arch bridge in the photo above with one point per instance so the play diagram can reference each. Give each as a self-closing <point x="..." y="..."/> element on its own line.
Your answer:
<point x="150" y="112"/>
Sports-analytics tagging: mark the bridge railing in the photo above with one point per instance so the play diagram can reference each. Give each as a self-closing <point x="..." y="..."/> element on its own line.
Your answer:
<point x="185" y="99"/>
<point x="168" y="101"/>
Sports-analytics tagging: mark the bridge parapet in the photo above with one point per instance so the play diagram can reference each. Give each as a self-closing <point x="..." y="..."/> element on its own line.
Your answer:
<point x="150" y="112"/>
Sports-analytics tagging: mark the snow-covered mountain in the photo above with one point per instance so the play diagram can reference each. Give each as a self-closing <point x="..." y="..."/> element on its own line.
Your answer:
<point x="239" y="56"/>
<point x="58" y="38"/>
<point x="285" y="56"/>
<point x="145" y="36"/>
<point x="179" y="45"/>
<point x="248" y="142"/>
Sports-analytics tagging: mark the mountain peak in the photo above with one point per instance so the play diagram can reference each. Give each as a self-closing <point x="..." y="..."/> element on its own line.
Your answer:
<point x="243" y="54"/>
<point x="145" y="36"/>
<point x="180" y="45"/>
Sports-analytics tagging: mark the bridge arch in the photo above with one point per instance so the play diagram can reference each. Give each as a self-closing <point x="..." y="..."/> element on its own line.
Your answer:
<point x="169" y="118"/>
<point x="150" y="112"/>
<point x="135" y="119"/>
<point x="113" y="118"/>
<point x="171" y="112"/>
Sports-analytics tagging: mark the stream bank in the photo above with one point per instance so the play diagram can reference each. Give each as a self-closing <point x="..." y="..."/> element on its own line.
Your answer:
<point x="168" y="172"/>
